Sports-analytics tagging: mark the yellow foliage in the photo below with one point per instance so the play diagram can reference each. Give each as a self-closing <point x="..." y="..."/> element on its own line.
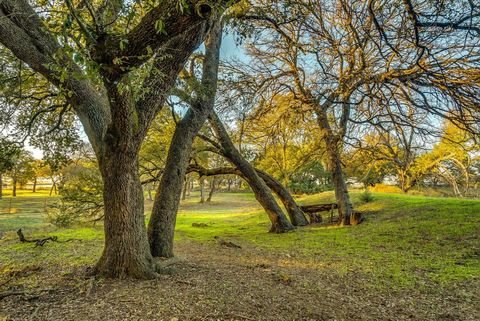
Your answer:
<point x="382" y="188"/>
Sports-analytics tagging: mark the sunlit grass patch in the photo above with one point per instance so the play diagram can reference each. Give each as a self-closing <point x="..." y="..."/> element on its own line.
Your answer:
<point x="405" y="241"/>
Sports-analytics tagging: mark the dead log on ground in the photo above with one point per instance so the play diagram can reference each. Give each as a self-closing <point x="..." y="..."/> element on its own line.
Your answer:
<point x="38" y="242"/>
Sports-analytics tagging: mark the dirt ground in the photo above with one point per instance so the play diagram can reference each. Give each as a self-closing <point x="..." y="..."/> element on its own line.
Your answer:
<point x="211" y="282"/>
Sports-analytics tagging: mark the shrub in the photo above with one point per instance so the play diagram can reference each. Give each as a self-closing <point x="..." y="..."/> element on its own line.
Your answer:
<point x="59" y="217"/>
<point x="310" y="179"/>
<point x="366" y="197"/>
<point x="81" y="197"/>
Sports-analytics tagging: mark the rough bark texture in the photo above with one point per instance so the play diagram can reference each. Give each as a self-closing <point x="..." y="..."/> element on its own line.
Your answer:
<point x="341" y="190"/>
<point x="126" y="251"/>
<point x="164" y="213"/>
<point x="334" y="164"/>
<point x="295" y="214"/>
<point x="262" y="193"/>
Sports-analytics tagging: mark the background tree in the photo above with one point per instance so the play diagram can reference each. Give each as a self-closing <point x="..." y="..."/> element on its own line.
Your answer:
<point x="8" y="153"/>
<point x="22" y="170"/>
<point x="340" y="68"/>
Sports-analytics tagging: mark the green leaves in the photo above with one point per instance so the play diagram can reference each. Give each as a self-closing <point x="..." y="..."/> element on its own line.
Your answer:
<point x="160" y="26"/>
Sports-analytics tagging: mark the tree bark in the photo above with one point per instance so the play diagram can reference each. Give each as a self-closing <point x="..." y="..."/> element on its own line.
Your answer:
<point x="14" y="187"/>
<point x="341" y="191"/>
<point x="263" y="195"/>
<point x="164" y="213"/>
<point x="34" y="189"/>
<point x="185" y="188"/>
<point x="1" y="186"/>
<point x="334" y="164"/>
<point x="126" y="252"/>
<point x="114" y="122"/>
<point x="212" y="189"/>
<point x="296" y="215"/>
<point x="202" y="189"/>
<point x="53" y="189"/>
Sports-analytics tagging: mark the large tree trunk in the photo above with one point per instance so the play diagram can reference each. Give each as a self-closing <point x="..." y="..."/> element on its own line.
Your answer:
<point x="334" y="164"/>
<point x="162" y="221"/>
<point x="126" y="252"/>
<point x="263" y="195"/>
<point x="1" y="186"/>
<point x="34" y="189"/>
<point x="115" y="123"/>
<point x="295" y="214"/>
<point x="164" y="213"/>
<point x="341" y="191"/>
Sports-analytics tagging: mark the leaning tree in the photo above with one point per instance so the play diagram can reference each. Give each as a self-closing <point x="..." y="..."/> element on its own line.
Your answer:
<point x="337" y="59"/>
<point x="114" y="63"/>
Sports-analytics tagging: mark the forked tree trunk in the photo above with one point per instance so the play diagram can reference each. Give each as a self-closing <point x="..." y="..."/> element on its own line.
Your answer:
<point x="212" y="189"/>
<point x="164" y="213"/>
<point x="53" y="189"/>
<point x="262" y="193"/>
<point x="126" y="251"/>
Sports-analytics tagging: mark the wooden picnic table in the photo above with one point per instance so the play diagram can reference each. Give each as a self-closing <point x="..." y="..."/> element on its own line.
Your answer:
<point x="313" y="210"/>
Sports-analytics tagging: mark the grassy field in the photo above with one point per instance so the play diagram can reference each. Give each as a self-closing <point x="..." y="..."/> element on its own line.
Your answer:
<point x="406" y="242"/>
<point x="405" y="239"/>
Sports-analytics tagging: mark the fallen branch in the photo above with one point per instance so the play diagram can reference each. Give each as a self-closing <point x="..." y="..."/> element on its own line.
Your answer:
<point x="38" y="242"/>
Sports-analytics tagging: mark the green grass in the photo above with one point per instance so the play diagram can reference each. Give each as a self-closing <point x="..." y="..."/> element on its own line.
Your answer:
<point x="26" y="210"/>
<point x="406" y="241"/>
